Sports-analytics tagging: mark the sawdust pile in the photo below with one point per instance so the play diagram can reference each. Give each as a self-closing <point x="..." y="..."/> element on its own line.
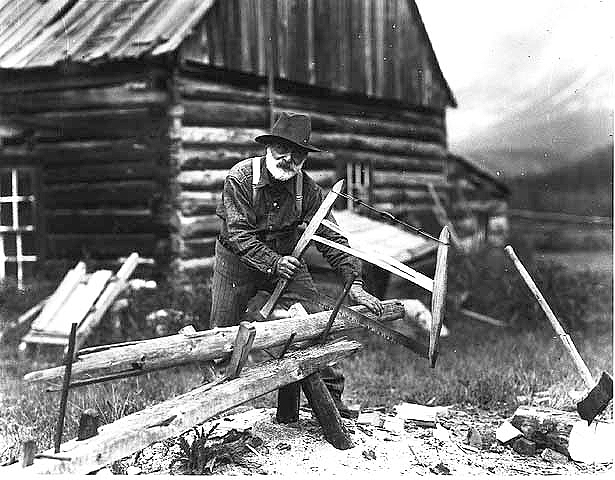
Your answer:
<point x="251" y="442"/>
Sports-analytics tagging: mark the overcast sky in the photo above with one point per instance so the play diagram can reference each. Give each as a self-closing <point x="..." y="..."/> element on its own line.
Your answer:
<point x="500" y="56"/>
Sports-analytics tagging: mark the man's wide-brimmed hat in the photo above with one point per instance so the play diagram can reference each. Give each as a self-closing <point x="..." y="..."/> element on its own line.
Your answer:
<point x="292" y="128"/>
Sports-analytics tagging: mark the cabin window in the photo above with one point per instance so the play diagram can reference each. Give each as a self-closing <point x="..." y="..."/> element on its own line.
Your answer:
<point x="358" y="183"/>
<point x="18" y="250"/>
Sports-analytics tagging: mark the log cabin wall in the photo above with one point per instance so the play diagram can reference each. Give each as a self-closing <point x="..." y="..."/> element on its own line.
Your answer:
<point x="99" y="140"/>
<point x="222" y="112"/>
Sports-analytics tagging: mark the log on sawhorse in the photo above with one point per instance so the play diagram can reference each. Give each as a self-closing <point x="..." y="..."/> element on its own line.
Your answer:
<point x="136" y="358"/>
<point x="175" y="416"/>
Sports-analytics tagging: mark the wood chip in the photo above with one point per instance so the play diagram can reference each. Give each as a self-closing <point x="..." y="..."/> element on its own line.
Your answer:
<point x="507" y="432"/>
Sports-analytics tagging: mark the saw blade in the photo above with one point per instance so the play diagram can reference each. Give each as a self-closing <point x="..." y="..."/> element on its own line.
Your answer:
<point x="372" y="325"/>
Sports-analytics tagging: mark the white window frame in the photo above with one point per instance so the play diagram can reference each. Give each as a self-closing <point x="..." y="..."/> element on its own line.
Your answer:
<point x="15" y="228"/>
<point x="358" y="183"/>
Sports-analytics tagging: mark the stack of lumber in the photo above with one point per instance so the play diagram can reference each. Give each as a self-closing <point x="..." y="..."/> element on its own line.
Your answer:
<point x="80" y="298"/>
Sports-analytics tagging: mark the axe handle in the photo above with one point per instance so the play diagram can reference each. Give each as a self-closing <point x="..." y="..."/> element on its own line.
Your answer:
<point x="566" y="340"/>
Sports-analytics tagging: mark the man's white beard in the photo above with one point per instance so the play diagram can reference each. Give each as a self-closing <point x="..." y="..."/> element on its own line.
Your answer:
<point x="288" y="171"/>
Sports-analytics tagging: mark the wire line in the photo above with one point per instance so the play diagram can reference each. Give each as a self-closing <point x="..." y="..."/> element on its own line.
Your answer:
<point x="390" y="216"/>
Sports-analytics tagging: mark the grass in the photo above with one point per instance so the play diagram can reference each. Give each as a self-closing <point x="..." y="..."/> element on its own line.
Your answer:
<point x="479" y="364"/>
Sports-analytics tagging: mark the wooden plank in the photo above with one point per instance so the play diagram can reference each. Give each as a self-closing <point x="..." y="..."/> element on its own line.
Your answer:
<point x="82" y="77"/>
<point x="128" y="193"/>
<point x="106" y="299"/>
<point x="344" y="35"/>
<point x="24" y="318"/>
<point x="100" y="245"/>
<point x="407" y="179"/>
<point x="356" y="50"/>
<point x="42" y="337"/>
<point x="245" y="14"/>
<point x="220" y="136"/>
<point x="165" y="352"/>
<point x="194" y="247"/>
<point x="82" y="152"/>
<point x="175" y="416"/>
<point x="70" y="281"/>
<point x="133" y="94"/>
<point x="241" y="349"/>
<point x="298" y="41"/>
<point x="91" y="124"/>
<point x="196" y="226"/>
<point x="379" y="48"/>
<point x="383" y="195"/>
<point x="101" y="172"/>
<point x="198" y="203"/>
<point x="77" y="306"/>
<point x="117" y="221"/>
<point x="192" y="158"/>
<point x="202" y="179"/>
<point x="378" y="143"/>
<point x="282" y="38"/>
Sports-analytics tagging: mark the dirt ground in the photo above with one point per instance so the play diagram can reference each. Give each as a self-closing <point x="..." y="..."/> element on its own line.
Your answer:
<point x="385" y="444"/>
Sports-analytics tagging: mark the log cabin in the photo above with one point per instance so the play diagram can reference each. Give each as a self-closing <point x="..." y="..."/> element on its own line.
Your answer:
<point x="119" y="121"/>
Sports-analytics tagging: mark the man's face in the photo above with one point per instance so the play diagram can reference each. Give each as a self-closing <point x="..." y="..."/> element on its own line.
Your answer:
<point x="284" y="161"/>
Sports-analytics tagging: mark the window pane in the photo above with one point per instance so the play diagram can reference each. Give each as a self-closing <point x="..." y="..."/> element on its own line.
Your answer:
<point x="28" y="243"/>
<point x="5" y="183"/>
<point x="10" y="248"/>
<point x="29" y="269"/>
<point x="26" y="213"/>
<point x="6" y="214"/>
<point x="24" y="182"/>
<point x="11" y="269"/>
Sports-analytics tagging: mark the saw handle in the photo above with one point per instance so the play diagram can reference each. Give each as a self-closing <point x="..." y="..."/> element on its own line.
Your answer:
<point x="567" y="341"/>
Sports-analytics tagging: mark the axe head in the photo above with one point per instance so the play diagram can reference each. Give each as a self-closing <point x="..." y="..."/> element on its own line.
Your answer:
<point x="597" y="399"/>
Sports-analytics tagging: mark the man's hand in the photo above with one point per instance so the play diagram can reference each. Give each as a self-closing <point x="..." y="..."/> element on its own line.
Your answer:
<point x="287" y="266"/>
<point x="361" y="297"/>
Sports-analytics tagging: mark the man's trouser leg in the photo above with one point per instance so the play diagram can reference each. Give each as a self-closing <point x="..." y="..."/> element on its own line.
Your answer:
<point x="300" y="288"/>
<point x="233" y="284"/>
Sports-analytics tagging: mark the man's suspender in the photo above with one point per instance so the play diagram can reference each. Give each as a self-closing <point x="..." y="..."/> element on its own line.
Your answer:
<point x="256" y="178"/>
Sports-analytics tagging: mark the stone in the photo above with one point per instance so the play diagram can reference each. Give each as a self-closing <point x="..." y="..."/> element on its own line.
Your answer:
<point x="524" y="446"/>
<point x="474" y="438"/>
<point x="552" y="456"/>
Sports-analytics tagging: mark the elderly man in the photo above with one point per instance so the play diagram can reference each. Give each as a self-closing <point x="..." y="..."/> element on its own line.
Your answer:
<point x="264" y="200"/>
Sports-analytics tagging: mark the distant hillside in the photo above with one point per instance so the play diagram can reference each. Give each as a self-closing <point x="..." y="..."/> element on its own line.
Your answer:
<point x="582" y="187"/>
<point x="510" y="164"/>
